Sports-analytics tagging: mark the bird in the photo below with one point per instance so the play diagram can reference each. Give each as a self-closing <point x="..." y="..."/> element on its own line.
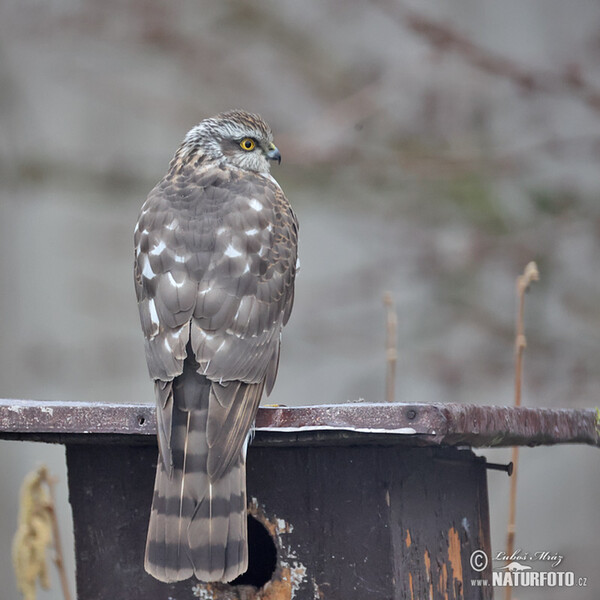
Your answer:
<point x="216" y="256"/>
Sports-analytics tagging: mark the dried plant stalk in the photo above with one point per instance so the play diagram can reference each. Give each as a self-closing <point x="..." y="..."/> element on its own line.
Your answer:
<point x="58" y="551"/>
<point x="37" y="529"/>
<point x="391" y="347"/>
<point x="530" y="275"/>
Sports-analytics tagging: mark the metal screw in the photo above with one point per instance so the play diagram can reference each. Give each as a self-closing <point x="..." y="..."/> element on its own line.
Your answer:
<point x="498" y="467"/>
<point x="411" y="414"/>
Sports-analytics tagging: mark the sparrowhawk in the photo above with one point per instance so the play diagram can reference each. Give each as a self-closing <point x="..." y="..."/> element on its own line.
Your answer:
<point x="215" y="263"/>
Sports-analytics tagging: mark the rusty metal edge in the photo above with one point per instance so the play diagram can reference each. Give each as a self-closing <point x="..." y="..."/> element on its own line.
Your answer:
<point x="496" y="426"/>
<point x="414" y="424"/>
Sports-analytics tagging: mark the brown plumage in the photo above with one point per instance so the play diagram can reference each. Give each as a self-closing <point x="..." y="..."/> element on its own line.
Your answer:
<point x="215" y="263"/>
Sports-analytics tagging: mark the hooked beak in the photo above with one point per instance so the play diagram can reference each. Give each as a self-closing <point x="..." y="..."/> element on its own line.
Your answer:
<point x="274" y="154"/>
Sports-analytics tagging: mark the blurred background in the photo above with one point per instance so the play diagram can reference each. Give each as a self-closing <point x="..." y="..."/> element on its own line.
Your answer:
<point x="430" y="149"/>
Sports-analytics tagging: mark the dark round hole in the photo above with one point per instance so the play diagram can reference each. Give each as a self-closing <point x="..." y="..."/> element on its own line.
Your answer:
<point x="262" y="556"/>
<point x="141" y="419"/>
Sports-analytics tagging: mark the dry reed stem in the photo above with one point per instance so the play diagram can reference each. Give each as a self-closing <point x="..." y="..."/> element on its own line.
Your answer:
<point x="391" y="347"/>
<point x="530" y="274"/>
<point x="58" y="551"/>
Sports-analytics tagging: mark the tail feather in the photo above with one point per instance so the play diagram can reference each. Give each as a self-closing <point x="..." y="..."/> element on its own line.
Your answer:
<point x="165" y="559"/>
<point x="217" y="532"/>
<point x="197" y="526"/>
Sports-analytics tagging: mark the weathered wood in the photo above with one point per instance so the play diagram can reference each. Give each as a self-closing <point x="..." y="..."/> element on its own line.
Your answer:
<point x="377" y="522"/>
<point x="412" y="424"/>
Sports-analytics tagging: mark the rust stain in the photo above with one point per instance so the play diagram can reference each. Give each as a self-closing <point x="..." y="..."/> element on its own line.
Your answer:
<point x="410" y="584"/>
<point x="455" y="559"/>
<point x="428" y="573"/>
<point x="444" y="581"/>
<point x="279" y="588"/>
<point x="408" y="540"/>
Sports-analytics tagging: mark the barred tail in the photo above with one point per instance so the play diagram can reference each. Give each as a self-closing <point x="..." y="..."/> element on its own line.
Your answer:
<point x="197" y="527"/>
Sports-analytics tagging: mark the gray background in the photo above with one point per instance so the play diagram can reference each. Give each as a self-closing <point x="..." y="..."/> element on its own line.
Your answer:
<point x="414" y="167"/>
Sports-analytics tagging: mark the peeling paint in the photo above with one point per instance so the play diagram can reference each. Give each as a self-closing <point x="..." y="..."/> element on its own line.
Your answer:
<point x="290" y="573"/>
<point x="455" y="558"/>
<point x="465" y="525"/>
<point x="223" y="591"/>
<point x="286" y="585"/>
<point x="428" y="573"/>
<point x="444" y="580"/>
<point x="278" y="589"/>
<point x="284" y="527"/>
<point x="204" y="592"/>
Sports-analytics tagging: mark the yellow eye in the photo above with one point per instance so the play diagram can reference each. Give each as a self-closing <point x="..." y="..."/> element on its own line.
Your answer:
<point x="248" y="144"/>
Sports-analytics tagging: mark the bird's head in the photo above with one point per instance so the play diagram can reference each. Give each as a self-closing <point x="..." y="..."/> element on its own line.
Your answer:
<point x="236" y="137"/>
